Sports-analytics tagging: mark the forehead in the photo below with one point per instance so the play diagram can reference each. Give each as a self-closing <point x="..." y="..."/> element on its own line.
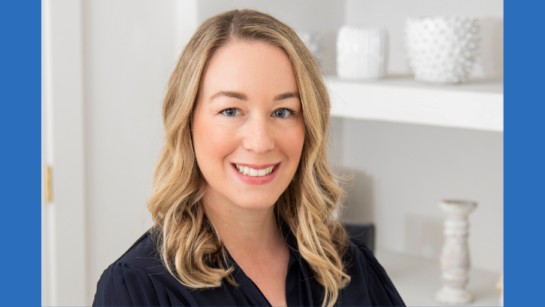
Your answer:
<point x="253" y="67"/>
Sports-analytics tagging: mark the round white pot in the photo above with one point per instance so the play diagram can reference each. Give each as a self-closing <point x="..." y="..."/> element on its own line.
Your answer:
<point x="442" y="49"/>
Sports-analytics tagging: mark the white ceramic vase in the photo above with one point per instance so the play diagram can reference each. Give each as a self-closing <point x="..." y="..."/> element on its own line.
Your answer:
<point x="455" y="259"/>
<point x="313" y="42"/>
<point x="361" y="53"/>
<point x="441" y="49"/>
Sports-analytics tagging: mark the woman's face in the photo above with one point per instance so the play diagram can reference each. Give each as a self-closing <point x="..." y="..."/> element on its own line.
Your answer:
<point x="248" y="128"/>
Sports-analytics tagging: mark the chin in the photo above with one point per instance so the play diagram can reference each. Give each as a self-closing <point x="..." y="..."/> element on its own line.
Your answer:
<point x="256" y="202"/>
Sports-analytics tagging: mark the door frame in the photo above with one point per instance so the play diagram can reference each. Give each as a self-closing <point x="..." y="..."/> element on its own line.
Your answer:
<point x="64" y="267"/>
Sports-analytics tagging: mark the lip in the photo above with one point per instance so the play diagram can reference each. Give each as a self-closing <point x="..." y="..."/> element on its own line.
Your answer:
<point x="256" y="180"/>
<point x="255" y="166"/>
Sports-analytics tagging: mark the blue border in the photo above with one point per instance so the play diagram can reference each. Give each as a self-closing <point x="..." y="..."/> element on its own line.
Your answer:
<point x="524" y="150"/>
<point x="20" y="134"/>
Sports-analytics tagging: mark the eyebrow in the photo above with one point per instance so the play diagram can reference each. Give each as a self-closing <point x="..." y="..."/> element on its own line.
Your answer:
<point x="241" y="96"/>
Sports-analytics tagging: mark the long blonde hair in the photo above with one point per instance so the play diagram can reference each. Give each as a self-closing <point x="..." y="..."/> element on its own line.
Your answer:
<point x="188" y="243"/>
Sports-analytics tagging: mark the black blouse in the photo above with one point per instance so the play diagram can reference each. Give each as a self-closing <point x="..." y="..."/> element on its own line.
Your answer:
<point x="139" y="278"/>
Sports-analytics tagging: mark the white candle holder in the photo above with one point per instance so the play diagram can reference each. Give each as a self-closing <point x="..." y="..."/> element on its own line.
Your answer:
<point x="455" y="260"/>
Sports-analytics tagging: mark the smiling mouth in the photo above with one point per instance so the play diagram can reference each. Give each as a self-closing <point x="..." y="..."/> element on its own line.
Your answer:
<point x="248" y="171"/>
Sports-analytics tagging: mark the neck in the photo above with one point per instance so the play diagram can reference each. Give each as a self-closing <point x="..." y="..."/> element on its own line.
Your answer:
<point x="245" y="231"/>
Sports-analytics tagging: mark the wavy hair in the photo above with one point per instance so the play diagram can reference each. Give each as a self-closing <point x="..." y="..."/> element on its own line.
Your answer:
<point x="187" y="241"/>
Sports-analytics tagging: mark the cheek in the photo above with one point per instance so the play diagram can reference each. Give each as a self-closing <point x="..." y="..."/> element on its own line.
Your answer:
<point x="212" y="145"/>
<point x="292" y="143"/>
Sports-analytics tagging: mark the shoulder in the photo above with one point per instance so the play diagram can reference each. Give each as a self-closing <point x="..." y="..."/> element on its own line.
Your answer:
<point x="361" y="262"/>
<point x="142" y="254"/>
<point x="365" y="271"/>
<point x="137" y="278"/>
<point x="359" y="253"/>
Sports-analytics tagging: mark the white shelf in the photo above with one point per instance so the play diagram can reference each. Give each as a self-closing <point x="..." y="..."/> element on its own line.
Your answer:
<point x="477" y="104"/>
<point x="418" y="279"/>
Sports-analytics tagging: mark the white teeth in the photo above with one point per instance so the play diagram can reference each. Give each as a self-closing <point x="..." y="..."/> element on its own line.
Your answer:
<point x="254" y="172"/>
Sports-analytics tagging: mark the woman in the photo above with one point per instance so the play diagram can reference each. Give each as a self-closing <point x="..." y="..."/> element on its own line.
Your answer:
<point x="243" y="197"/>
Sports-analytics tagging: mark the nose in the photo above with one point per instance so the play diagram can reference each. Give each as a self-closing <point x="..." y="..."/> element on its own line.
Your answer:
<point x="258" y="136"/>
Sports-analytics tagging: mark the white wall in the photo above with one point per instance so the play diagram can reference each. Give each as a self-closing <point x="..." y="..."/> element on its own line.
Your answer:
<point x="130" y="50"/>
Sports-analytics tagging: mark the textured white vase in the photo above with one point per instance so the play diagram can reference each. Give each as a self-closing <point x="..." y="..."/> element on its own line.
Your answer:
<point x="361" y="53"/>
<point x="441" y="49"/>
<point x="455" y="260"/>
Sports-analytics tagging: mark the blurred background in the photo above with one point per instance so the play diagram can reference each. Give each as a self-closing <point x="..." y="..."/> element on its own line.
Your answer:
<point x="409" y="144"/>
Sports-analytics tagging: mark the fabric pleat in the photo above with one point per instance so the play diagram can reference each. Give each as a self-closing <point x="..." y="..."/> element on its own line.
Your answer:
<point x="381" y="290"/>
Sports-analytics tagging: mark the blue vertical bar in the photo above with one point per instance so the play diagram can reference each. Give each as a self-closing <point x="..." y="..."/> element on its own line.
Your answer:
<point x="20" y="143"/>
<point x="524" y="152"/>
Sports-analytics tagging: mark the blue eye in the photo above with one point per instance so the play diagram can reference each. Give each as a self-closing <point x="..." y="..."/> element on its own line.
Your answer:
<point x="283" y="113"/>
<point x="230" y="112"/>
